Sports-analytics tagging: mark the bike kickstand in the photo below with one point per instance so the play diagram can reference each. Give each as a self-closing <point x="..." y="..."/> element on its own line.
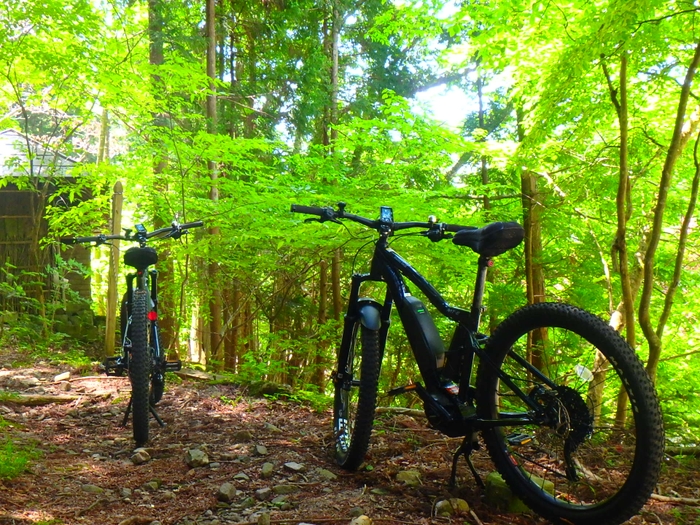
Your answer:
<point x="126" y="415"/>
<point x="465" y="449"/>
<point x="155" y="415"/>
<point x="153" y="411"/>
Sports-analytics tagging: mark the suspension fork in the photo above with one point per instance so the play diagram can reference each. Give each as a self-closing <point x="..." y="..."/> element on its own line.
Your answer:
<point x="385" y="316"/>
<point x="354" y="314"/>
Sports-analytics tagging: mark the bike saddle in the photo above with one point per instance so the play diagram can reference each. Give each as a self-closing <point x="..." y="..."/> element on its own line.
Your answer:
<point x="491" y="240"/>
<point x="140" y="258"/>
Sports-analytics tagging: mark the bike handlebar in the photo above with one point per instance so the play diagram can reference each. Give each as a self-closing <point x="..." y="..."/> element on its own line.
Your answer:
<point x="96" y="238"/>
<point x="188" y="225"/>
<point x="174" y="230"/>
<point x="329" y="214"/>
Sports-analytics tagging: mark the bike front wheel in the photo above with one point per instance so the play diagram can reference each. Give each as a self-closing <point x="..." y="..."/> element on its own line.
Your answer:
<point x="355" y="398"/>
<point x="140" y="366"/>
<point x="578" y="434"/>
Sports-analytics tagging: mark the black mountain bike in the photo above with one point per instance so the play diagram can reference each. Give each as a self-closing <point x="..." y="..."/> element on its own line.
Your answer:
<point x="543" y="396"/>
<point x="142" y="357"/>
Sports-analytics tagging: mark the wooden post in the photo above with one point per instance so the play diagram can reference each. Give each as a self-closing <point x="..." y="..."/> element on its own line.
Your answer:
<point x="111" y="310"/>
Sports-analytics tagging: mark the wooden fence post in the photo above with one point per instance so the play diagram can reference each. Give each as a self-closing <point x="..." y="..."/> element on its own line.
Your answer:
<point x="111" y="310"/>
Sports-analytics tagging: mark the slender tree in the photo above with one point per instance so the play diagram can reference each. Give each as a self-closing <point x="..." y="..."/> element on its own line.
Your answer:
<point x="681" y="134"/>
<point x="215" y="326"/>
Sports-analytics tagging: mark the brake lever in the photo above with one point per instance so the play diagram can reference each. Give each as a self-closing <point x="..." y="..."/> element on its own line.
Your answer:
<point x="322" y="220"/>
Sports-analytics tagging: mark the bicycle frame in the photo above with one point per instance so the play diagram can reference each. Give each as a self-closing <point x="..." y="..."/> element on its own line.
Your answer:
<point x="466" y="343"/>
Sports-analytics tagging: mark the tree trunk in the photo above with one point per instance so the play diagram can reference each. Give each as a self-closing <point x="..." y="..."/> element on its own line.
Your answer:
<point x="331" y="42"/>
<point x="620" y="253"/>
<point x="215" y="307"/>
<point x="167" y="318"/>
<point x="534" y="273"/>
<point x="319" y="372"/>
<point x="675" y="147"/>
<point x="335" y="43"/>
<point x="682" y="240"/>
<point x="233" y="334"/>
<point x="103" y="149"/>
<point x="251" y="340"/>
<point x="112" y="296"/>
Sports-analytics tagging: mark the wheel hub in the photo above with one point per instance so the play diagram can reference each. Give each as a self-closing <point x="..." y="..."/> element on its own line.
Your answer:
<point x="567" y="413"/>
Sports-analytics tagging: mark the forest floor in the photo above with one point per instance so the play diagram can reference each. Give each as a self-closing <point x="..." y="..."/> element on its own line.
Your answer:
<point x="82" y="470"/>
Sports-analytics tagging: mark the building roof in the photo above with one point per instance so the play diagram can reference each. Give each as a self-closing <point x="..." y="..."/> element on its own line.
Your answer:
<point x="45" y="162"/>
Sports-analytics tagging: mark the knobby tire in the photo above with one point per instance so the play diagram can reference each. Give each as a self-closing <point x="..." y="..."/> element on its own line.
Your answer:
<point x="356" y="397"/>
<point x="140" y="366"/>
<point x="578" y="464"/>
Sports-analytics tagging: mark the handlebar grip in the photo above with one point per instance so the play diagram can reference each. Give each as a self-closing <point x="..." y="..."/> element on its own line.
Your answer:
<point x="195" y="224"/>
<point x="309" y="210"/>
<point x="79" y="240"/>
<point x="68" y="240"/>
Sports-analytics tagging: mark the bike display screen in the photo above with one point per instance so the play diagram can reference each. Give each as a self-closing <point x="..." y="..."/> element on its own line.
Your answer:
<point x="386" y="214"/>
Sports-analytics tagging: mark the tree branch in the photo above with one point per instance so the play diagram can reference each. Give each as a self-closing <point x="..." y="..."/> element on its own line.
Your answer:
<point x="674" y="151"/>
<point x="662" y="18"/>
<point x="477" y="197"/>
<point x="680" y="253"/>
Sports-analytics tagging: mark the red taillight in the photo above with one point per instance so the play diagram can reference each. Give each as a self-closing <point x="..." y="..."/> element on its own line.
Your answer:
<point x="152" y="315"/>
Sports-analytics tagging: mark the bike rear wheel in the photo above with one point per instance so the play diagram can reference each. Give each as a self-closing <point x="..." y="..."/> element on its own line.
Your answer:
<point x="158" y="364"/>
<point x="356" y="397"/>
<point x="140" y="366"/>
<point x="571" y="455"/>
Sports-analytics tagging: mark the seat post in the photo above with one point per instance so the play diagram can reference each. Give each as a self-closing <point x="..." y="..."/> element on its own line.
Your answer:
<point x="476" y="310"/>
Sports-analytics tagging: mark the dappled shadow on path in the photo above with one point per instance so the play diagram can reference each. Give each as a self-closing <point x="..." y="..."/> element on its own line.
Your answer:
<point x="83" y="471"/>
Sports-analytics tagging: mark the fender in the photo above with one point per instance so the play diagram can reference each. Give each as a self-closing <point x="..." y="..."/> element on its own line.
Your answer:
<point x="369" y="313"/>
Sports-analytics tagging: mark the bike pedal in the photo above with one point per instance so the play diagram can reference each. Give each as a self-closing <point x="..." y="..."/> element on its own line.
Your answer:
<point x="518" y="439"/>
<point x="173" y="366"/>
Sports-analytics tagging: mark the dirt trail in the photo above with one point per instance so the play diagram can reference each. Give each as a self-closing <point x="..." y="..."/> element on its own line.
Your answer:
<point x="84" y="473"/>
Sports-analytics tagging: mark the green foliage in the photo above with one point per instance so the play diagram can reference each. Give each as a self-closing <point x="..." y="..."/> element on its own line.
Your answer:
<point x="318" y="402"/>
<point x="70" y="354"/>
<point x="228" y="401"/>
<point x="14" y="459"/>
<point x="539" y="80"/>
<point x="7" y="396"/>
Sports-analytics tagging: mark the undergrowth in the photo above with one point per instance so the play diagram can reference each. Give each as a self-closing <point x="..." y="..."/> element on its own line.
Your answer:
<point x="25" y="353"/>
<point x="14" y="458"/>
<point x="7" y="396"/>
<point x="316" y="401"/>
